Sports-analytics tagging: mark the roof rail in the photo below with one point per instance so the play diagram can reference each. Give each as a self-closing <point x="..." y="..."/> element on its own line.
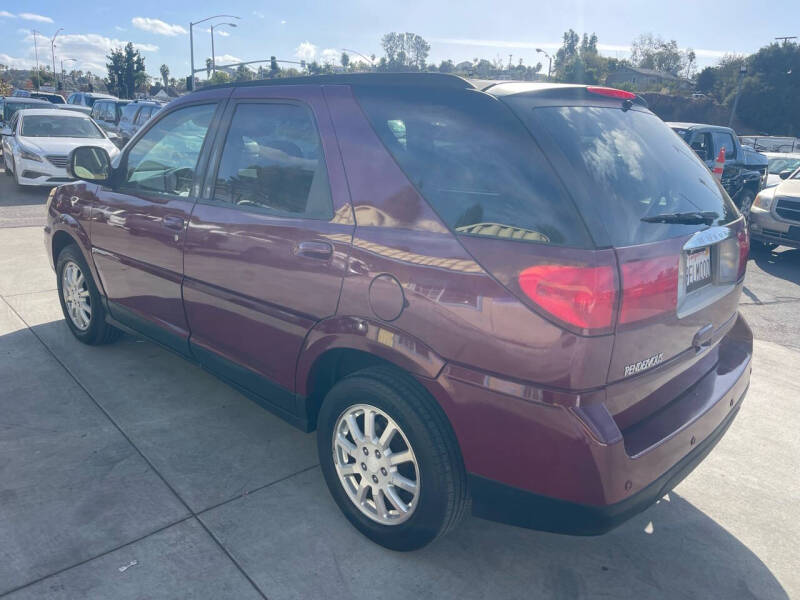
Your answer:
<point x="438" y="80"/>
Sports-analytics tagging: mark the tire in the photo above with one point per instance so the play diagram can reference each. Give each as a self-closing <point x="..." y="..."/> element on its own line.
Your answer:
<point x="765" y="246"/>
<point x="441" y="498"/>
<point x="92" y="330"/>
<point x="746" y="198"/>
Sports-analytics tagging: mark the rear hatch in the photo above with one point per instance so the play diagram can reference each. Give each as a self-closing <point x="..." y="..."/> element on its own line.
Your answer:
<point x="681" y="245"/>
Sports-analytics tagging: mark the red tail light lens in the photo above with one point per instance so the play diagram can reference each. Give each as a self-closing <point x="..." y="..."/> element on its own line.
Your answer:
<point x="743" y="237"/>
<point x="611" y="92"/>
<point x="581" y="296"/>
<point x="649" y="288"/>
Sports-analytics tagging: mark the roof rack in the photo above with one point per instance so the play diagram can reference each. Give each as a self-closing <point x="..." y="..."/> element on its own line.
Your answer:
<point x="438" y="80"/>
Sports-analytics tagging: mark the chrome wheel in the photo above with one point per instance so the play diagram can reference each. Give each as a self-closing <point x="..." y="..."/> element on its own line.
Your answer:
<point x="75" y="291"/>
<point x="376" y="464"/>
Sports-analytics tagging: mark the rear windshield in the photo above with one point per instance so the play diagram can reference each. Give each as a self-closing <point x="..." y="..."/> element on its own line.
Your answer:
<point x="475" y="163"/>
<point x="12" y="107"/>
<point x="632" y="165"/>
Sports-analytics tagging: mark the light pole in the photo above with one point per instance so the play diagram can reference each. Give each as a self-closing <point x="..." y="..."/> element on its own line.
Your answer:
<point x="36" y="54"/>
<point x="549" y="61"/>
<point x="63" y="74"/>
<point x="53" y="52"/>
<point x="213" y="58"/>
<point x="191" y="42"/>
<point x="742" y="72"/>
<point x="366" y="58"/>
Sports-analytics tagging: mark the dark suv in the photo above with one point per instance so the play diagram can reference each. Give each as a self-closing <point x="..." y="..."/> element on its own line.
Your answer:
<point x="522" y="295"/>
<point x="107" y="112"/>
<point x="134" y="116"/>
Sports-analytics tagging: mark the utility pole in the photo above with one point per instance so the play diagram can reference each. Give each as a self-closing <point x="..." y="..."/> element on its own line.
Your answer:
<point x="36" y="53"/>
<point x="786" y="38"/>
<point x="742" y="72"/>
<point x="213" y="57"/>
<point x="509" y="61"/>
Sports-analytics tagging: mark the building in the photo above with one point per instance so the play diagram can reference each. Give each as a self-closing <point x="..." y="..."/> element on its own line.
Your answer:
<point x="644" y="79"/>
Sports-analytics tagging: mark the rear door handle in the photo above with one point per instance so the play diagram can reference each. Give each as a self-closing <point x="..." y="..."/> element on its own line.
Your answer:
<point x="176" y="223"/>
<point x="318" y="250"/>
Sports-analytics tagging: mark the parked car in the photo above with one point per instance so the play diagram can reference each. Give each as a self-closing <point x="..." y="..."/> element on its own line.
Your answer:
<point x="10" y="105"/>
<point x="52" y="98"/>
<point x="520" y="294"/>
<point x="775" y="216"/>
<point x="780" y="162"/>
<point x="86" y="98"/>
<point x="37" y="143"/>
<point x="86" y="110"/>
<point x="745" y="171"/>
<point x="107" y="114"/>
<point x="134" y="115"/>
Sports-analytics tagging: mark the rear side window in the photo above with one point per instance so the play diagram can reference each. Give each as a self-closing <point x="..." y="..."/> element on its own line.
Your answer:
<point x="475" y="163"/>
<point x="633" y="166"/>
<point x="128" y="112"/>
<point x="723" y="139"/>
<point x="272" y="160"/>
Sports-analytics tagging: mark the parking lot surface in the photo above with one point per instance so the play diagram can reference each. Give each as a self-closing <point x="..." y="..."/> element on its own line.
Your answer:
<point x="126" y="472"/>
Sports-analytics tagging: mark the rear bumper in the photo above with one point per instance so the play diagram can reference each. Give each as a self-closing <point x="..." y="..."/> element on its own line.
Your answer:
<point x="535" y="461"/>
<point x="506" y="504"/>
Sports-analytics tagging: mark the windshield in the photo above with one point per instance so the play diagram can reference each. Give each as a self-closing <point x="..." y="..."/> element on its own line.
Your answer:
<point x="12" y="107"/>
<point x="780" y="164"/>
<point x="58" y="126"/>
<point x="627" y="165"/>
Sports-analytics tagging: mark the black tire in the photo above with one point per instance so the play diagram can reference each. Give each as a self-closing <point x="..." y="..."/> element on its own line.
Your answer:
<point x="746" y="198"/>
<point x="443" y="498"/>
<point x="98" y="331"/>
<point x="765" y="246"/>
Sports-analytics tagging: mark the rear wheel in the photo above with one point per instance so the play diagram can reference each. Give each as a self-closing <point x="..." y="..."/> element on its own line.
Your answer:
<point x="390" y="459"/>
<point x="80" y="299"/>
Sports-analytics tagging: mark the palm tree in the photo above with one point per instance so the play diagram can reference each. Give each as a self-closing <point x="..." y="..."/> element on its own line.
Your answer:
<point x="165" y="75"/>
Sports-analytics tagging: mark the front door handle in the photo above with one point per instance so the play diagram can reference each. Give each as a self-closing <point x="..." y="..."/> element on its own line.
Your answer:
<point x="176" y="223"/>
<point x="318" y="250"/>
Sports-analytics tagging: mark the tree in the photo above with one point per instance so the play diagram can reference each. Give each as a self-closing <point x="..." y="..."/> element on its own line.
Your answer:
<point x="274" y="69"/>
<point x="345" y="60"/>
<point x="165" y="74"/>
<point x="653" y="52"/>
<point x="219" y="77"/>
<point x="706" y="80"/>
<point x="126" y="71"/>
<point x="446" y="66"/>
<point x="578" y="61"/>
<point x="404" y="52"/>
<point x="242" y="73"/>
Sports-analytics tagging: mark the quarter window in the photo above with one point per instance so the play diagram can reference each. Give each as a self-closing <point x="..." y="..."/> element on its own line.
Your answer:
<point x="164" y="160"/>
<point x="272" y="160"/>
<point x="724" y="139"/>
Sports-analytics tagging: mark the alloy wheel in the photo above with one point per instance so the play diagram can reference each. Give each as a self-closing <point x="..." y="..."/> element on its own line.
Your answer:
<point x="376" y="464"/>
<point x="75" y="291"/>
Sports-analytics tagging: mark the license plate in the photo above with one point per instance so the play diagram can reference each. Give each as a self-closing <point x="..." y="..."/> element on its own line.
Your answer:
<point x="698" y="269"/>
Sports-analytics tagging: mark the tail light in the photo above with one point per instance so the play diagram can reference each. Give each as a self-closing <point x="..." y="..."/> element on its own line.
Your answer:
<point x="743" y="239"/>
<point x="649" y="288"/>
<point x="610" y="92"/>
<point x="582" y="296"/>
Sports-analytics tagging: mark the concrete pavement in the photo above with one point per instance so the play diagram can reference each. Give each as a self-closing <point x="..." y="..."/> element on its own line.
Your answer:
<point x="126" y="472"/>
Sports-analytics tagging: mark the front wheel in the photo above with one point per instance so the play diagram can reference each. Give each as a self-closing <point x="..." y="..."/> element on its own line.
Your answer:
<point x="390" y="459"/>
<point x="80" y="299"/>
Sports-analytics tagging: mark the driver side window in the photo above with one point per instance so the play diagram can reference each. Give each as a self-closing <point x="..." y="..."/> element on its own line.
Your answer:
<point x="164" y="160"/>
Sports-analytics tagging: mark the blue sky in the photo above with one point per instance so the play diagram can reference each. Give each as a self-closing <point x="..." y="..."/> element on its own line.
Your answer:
<point x="319" y="30"/>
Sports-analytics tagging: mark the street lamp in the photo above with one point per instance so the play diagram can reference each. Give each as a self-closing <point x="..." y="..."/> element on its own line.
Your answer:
<point x="369" y="60"/>
<point x="742" y="73"/>
<point x="549" y="61"/>
<point x="53" y="51"/>
<point x="213" y="57"/>
<point x="36" y="53"/>
<point x="191" y="42"/>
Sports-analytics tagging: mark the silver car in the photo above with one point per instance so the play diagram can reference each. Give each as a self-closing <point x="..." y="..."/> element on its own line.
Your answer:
<point x="775" y="214"/>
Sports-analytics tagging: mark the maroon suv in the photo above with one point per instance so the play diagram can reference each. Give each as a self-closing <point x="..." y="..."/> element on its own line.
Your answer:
<point x="520" y="296"/>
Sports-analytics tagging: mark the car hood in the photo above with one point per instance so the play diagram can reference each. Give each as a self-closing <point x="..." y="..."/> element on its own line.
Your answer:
<point x="788" y="187"/>
<point x="62" y="145"/>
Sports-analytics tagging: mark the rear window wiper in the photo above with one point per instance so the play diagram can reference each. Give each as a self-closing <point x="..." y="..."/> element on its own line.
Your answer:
<point x="684" y="218"/>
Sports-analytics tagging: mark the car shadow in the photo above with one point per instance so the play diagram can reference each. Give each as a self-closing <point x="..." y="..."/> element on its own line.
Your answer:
<point x="781" y="262"/>
<point x="671" y="550"/>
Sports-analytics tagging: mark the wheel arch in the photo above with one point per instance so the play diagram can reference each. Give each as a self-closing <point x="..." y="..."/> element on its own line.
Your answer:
<point x="69" y="231"/>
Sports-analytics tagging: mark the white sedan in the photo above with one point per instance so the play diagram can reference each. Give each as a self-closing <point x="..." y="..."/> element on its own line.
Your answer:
<point x="780" y="162"/>
<point x="37" y="144"/>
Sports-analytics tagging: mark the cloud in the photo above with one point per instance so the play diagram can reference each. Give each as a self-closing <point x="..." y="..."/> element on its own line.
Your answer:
<point x="6" y="14"/>
<point x="306" y="51"/>
<point x="259" y="14"/>
<point x="157" y="26"/>
<point x="35" y="17"/>
<point x="15" y="62"/>
<point x="219" y="32"/>
<point x="118" y="28"/>
<point x="89" y="50"/>
<point x="330" y="56"/>
<point x="283" y="21"/>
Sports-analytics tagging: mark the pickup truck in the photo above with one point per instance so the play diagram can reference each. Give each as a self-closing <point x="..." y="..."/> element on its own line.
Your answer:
<point x="745" y="171"/>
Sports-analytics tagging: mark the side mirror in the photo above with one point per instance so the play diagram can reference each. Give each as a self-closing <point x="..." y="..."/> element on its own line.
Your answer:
<point x="90" y="163"/>
<point x="785" y="174"/>
<point x="6" y="131"/>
